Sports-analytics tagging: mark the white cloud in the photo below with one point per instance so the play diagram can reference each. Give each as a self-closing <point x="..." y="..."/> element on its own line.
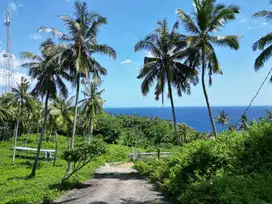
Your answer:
<point x="35" y="36"/>
<point x="243" y="21"/>
<point x="16" y="63"/>
<point x="127" y="61"/>
<point x="15" y="77"/>
<point x="258" y="26"/>
<point x="14" y="7"/>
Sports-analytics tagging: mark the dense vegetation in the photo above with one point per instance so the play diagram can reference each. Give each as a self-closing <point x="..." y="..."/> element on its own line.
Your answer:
<point x="234" y="168"/>
<point x="17" y="187"/>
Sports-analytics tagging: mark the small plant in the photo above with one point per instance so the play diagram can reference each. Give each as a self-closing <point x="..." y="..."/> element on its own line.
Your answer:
<point x="82" y="155"/>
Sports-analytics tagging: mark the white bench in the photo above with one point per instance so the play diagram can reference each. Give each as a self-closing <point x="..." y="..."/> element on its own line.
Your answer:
<point x="48" y="153"/>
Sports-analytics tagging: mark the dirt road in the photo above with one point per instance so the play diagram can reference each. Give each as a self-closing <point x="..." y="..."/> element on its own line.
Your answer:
<point x="114" y="185"/>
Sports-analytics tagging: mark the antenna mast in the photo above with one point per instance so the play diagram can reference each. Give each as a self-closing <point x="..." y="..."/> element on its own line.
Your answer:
<point x="7" y="76"/>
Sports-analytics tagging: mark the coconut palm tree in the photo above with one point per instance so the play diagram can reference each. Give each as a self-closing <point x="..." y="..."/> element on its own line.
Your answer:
<point x="243" y="123"/>
<point x="268" y="115"/>
<point x="22" y="100"/>
<point x="76" y="54"/>
<point x="223" y="119"/>
<point x="60" y="118"/>
<point x="49" y="80"/>
<point x="92" y="104"/>
<point x="164" y="66"/>
<point x="207" y="18"/>
<point x="61" y="109"/>
<point x="264" y="43"/>
<point x="5" y="112"/>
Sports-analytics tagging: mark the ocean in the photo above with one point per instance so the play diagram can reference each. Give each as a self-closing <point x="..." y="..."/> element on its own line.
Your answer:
<point x="196" y="117"/>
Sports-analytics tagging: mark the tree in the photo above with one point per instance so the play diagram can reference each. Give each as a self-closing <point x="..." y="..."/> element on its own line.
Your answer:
<point x="207" y="18"/>
<point x="61" y="109"/>
<point x="60" y="117"/>
<point x="92" y="104"/>
<point x="268" y="115"/>
<point x="22" y="100"/>
<point x="164" y="66"/>
<point x="223" y="119"/>
<point x="5" y="112"/>
<point x="83" y="155"/>
<point x="243" y="124"/>
<point x="76" y="54"/>
<point x="49" y="80"/>
<point x="264" y="43"/>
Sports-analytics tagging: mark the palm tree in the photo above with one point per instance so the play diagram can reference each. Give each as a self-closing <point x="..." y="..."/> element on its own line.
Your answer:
<point x="264" y="43"/>
<point x="92" y="104"/>
<point x="5" y="112"/>
<point x="268" y="115"/>
<point x="49" y="79"/>
<point x="61" y="112"/>
<point x="223" y="119"/>
<point x="243" y="124"/>
<point x="207" y="18"/>
<point x="80" y="45"/>
<point x="60" y="118"/>
<point x="21" y="99"/>
<point x="164" y="66"/>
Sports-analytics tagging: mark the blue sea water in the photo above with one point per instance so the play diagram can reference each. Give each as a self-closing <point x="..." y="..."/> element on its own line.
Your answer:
<point x="196" y="117"/>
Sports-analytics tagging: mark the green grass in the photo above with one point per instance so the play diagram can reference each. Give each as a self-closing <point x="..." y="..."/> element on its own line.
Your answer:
<point x="15" y="187"/>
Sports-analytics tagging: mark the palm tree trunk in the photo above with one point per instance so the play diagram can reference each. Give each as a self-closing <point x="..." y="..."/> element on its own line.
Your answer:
<point x="75" y="120"/>
<point x="173" y="112"/>
<point x="205" y="92"/>
<point x="91" y="129"/>
<point x="35" y="165"/>
<point x="56" y="148"/>
<point x="15" y="140"/>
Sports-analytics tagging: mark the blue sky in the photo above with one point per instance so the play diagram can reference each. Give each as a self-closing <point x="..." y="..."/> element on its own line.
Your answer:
<point x="128" y="22"/>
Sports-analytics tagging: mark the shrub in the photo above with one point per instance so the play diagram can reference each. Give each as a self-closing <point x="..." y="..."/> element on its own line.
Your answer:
<point x="234" y="168"/>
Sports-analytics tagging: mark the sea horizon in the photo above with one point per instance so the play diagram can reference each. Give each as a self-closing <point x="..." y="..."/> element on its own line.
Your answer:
<point x="195" y="116"/>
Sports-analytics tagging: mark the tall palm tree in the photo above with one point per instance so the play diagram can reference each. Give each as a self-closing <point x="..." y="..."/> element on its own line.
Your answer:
<point x="76" y="54"/>
<point x="49" y="80"/>
<point x="207" y="18"/>
<point x="223" y="119"/>
<point x="164" y="66"/>
<point x="22" y="100"/>
<point x="92" y="104"/>
<point x="264" y="43"/>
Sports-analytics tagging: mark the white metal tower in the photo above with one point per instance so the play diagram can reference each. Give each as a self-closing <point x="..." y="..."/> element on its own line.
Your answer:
<point x="7" y="76"/>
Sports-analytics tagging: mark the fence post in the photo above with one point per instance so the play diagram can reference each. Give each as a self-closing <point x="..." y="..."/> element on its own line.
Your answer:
<point x="134" y="153"/>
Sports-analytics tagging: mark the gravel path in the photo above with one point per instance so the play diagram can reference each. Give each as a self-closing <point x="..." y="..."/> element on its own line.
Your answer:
<point x="117" y="186"/>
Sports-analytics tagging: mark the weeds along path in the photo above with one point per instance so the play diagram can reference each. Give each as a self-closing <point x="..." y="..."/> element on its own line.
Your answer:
<point x="114" y="185"/>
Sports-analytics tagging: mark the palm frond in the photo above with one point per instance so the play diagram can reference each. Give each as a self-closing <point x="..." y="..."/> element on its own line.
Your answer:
<point x="262" y="42"/>
<point x="231" y="41"/>
<point x="263" y="57"/>
<point x="56" y="33"/>
<point x="30" y="56"/>
<point x="267" y="15"/>
<point x="187" y="22"/>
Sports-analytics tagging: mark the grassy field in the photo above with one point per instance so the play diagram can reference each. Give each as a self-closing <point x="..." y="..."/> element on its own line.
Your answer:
<point x="15" y="187"/>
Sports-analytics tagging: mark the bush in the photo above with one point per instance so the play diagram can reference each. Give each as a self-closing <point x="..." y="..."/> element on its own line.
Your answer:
<point x="234" y="168"/>
<point x="108" y="126"/>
